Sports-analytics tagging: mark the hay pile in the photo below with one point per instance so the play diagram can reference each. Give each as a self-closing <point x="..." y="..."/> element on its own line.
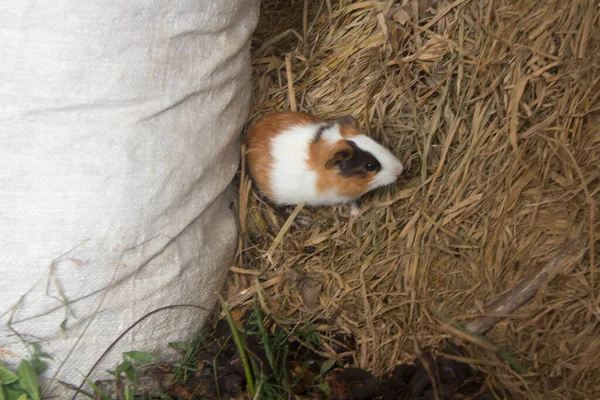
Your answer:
<point x="493" y="107"/>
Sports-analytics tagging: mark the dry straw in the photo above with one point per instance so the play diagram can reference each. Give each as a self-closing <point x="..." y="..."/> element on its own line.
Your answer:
<point x="493" y="106"/>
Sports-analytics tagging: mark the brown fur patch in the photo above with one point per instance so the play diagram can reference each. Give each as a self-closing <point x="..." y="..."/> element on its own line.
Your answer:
<point x="353" y="186"/>
<point x="260" y="159"/>
<point x="349" y="127"/>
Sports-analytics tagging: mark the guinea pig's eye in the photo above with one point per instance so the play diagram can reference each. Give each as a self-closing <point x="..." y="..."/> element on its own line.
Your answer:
<point x="370" y="167"/>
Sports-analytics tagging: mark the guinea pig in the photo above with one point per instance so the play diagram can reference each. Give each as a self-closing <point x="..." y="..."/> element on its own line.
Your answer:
<point x="298" y="158"/>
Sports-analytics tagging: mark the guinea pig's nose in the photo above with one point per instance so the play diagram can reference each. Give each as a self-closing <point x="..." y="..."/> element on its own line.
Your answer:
<point x="399" y="171"/>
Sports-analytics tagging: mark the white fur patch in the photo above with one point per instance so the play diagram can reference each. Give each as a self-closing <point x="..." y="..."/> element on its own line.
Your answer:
<point x="291" y="180"/>
<point x="332" y="134"/>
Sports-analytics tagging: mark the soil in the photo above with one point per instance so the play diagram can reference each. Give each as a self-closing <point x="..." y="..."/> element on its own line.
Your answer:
<point x="410" y="381"/>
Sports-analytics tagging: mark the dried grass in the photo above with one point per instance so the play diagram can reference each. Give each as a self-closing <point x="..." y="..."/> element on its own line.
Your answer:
<point x="493" y="106"/>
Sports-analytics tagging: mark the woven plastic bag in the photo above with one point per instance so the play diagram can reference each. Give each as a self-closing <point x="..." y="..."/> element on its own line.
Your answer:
<point x="118" y="140"/>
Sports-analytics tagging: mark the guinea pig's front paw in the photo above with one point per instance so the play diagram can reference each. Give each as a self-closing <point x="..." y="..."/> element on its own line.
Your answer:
<point x="338" y="209"/>
<point x="341" y="209"/>
<point x="302" y="221"/>
<point x="354" y="209"/>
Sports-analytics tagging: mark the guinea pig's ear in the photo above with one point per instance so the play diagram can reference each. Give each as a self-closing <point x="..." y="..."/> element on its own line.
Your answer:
<point x="338" y="157"/>
<point x="349" y="121"/>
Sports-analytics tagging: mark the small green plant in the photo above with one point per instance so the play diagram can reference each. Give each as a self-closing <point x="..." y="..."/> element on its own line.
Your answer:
<point x="270" y="357"/>
<point x="20" y="385"/>
<point x="126" y="373"/>
<point x="278" y="352"/>
<point x="23" y="384"/>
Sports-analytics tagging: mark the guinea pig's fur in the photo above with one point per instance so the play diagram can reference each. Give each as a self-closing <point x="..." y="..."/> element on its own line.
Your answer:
<point x="299" y="158"/>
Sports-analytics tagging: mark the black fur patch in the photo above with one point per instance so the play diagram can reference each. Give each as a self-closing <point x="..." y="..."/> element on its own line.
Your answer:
<point x="320" y="131"/>
<point x="360" y="164"/>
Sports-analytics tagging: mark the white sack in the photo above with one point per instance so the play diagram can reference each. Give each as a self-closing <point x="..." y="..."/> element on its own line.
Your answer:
<point x="118" y="138"/>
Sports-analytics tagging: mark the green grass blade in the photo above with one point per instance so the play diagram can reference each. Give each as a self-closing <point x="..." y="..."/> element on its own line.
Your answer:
<point x="140" y="356"/>
<point x="28" y="380"/>
<point x="240" y="346"/>
<point x="97" y="390"/>
<point x="512" y="362"/>
<point x="264" y="337"/>
<point x="7" y="376"/>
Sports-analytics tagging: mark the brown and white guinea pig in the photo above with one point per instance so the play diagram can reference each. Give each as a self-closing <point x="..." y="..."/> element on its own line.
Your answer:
<point x="299" y="158"/>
